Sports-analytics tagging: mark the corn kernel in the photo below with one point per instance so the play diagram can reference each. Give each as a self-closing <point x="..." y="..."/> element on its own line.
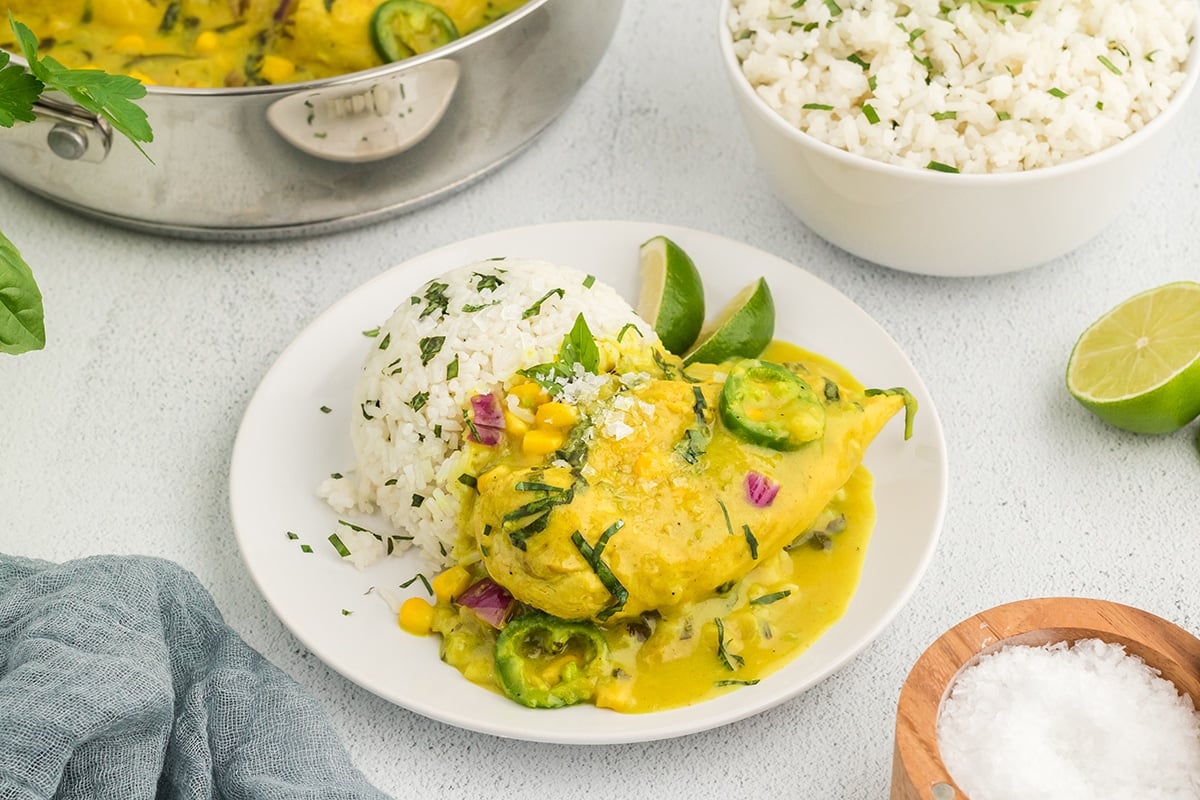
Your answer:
<point x="529" y="393"/>
<point x="451" y="583"/>
<point x="514" y="424"/>
<point x="541" y="441"/>
<point x="556" y="415"/>
<point x="277" y="69"/>
<point x="207" y="42"/>
<point x="130" y="43"/>
<point x="643" y="467"/>
<point x="416" y="616"/>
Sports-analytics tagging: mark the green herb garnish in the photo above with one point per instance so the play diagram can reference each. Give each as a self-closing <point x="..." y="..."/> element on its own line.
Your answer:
<point x="910" y="405"/>
<point x="591" y="554"/>
<point x="1057" y="92"/>
<point x="870" y="113"/>
<point x="430" y="346"/>
<point x="773" y="597"/>
<point x="1108" y="64"/>
<point x="326" y="409"/>
<point x="537" y="306"/>
<point x="727" y="658"/>
<point x="817" y="107"/>
<point x="339" y="545"/>
<point x="938" y="166"/>
<point x="414" y="579"/>
<point x="452" y="368"/>
<point x="750" y="540"/>
<point x="417" y="499"/>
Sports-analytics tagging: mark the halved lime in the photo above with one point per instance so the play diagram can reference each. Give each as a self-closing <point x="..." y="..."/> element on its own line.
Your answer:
<point x="672" y="294"/>
<point x="743" y="329"/>
<point x="1138" y="366"/>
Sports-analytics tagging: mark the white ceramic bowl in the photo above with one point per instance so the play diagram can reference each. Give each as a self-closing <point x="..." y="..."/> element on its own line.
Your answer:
<point x="948" y="224"/>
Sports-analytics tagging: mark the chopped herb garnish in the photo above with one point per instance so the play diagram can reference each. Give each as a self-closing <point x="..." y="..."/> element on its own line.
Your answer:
<point x="855" y="58"/>
<point x="798" y="3"/>
<point x="339" y="545"/>
<point x="870" y="113"/>
<point x="435" y="299"/>
<point x="452" y="369"/>
<point x="773" y="597"/>
<point x="471" y="426"/>
<point x="305" y="548"/>
<point x="578" y="347"/>
<point x="940" y="115"/>
<point x="915" y="34"/>
<point x="1003" y="115"/>
<point x="1111" y="67"/>
<point x="834" y="9"/>
<point x="537" y="306"/>
<point x="817" y="107"/>
<point x="750" y="540"/>
<point x="468" y="480"/>
<point x="487" y="282"/>
<point x="430" y="347"/>
<point x="1099" y="105"/>
<point x="725" y="512"/>
<point x="293" y="536"/>
<point x="589" y="281"/>
<point x="832" y="393"/>
<point x="414" y="579"/>
<point x="326" y="410"/>
<point x="938" y="166"/>
<point x="591" y="554"/>
<point x="346" y="612"/>
<point x="417" y="499"/>
<point x="371" y="334"/>
<point x="727" y="658"/>
<point x="337" y="476"/>
<point x="1150" y="56"/>
<point x="471" y="309"/>
<point x="872" y="83"/>
<point x="736" y="683"/>
<point x="1057" y="92"/>
<point x="418" y="401"/>
<point x="390" y="482"/>
<point x="385" y="341"/>
<point x="625" y="327"/>
<point x="910" y="405"/>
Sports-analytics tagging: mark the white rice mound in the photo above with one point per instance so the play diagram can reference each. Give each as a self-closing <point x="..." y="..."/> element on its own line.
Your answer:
<point x="975" y="86"/>
<point x="408" y="424"/>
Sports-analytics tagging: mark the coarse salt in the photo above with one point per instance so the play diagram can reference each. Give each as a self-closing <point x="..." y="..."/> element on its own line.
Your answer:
<point x="1071" y="722"/>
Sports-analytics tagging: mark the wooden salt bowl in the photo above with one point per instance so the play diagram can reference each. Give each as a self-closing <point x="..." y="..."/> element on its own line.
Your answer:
<point x="917" y="769"/>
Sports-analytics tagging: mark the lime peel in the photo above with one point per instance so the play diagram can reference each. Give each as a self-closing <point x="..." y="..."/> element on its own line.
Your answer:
<point x="1138" y="366"/>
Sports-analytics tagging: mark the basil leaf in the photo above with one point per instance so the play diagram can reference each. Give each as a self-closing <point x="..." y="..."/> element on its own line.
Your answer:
<point x="579" y="347"/>
<point x="22" y="319"/>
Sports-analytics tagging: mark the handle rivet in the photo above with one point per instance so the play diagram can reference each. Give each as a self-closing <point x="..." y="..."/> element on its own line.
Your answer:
<point x="67" y="142"/>
<point x="943" y="791"/>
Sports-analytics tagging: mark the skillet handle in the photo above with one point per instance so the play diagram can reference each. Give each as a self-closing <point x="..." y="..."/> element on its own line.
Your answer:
<point x="66" y="130"/>
<point x="367" y="120"/>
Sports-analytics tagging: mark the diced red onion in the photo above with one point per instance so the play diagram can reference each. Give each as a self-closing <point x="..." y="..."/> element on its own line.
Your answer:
<point x="486" y="411"/>
<point x="488" y="436"/>
<point x="490" y="601"/>
<point x="760" y="490"/>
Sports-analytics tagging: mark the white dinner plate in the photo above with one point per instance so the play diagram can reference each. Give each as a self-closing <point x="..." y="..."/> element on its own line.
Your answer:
<point x="287" y="445"/>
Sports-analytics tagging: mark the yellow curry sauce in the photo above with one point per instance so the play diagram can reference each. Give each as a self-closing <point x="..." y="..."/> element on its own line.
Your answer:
<point x="706" y="609"/>
<point x="219" y="43"/>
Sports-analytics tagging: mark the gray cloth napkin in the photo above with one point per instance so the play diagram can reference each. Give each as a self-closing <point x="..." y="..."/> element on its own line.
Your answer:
<point x="119" y="679"/>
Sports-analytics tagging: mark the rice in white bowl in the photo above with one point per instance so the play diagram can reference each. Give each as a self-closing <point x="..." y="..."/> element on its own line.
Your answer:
<point x="465" y="333"/>
<point x="965" y="86"/>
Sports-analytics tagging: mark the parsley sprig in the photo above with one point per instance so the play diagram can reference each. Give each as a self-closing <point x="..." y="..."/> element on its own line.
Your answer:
<point x="22" y="316"/>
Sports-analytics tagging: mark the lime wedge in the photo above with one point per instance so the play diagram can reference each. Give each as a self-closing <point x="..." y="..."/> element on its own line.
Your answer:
<point x="743" y="329"/>
<point x="672" y="294"/>
<point x="1138" y="366"/>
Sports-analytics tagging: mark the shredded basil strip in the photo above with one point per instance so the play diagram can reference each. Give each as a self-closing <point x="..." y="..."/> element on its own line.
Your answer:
<point x="832" y="393"/>
<point x="736" y="683"/>
<point x="834" y="9"/>
<point x="326" y="409"/>
<point x="591" y="554"/>
<point x="304" y="548"/>
<point x="817" y="107"/>
<point x="625" y="327"/>
<point x="371" y="333"/>
<point x="1057" y="92"/>
<point x="870" y="113"/>
<point x="435" y="299"/>
<point x="1111" y="66"/>
<point x="589" y="281"/>
<point x="487" y="282"/>
<point x="430" y="347"/>
<point x="725" y="511"/>
<point x="938" y="166"/>
<point x="941" y="115"/>
<point x="537" y="306"/>
<point x="339" y="545"/>
<point x="468" y="480"/>
<point x="773" y="597"/>
<point x="418" y="401"/>
<point x="727" y="658"/>
<point x="855" y="58"/>
<point x="910" y="405"/>
<point x="385" y="341"/>
<point x="417" y="499"/>
<point x="414" y="579"/>
<point x="292" y="535"/>
<point x="750" y="540"/>
<point x="452" y="368"/>
<point x="346" y="612"/>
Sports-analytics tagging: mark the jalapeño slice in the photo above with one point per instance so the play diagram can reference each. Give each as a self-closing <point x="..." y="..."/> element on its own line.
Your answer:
<point x="766" y="404"/>
<point x="546" y="662"/>
<point x="403" y="28"/>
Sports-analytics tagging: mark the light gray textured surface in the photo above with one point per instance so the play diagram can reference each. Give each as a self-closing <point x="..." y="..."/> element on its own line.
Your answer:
<point x="116" y="439"/>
